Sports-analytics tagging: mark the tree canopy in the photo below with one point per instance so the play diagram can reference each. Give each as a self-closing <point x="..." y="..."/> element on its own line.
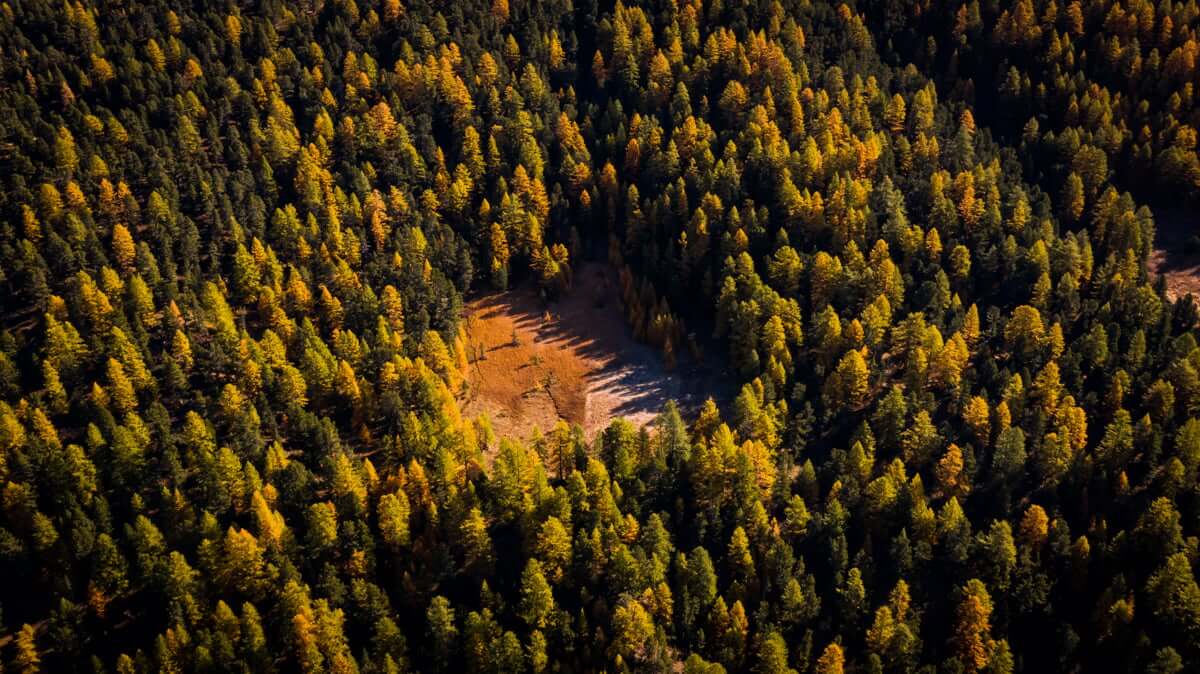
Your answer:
<point x="235" y="243"/>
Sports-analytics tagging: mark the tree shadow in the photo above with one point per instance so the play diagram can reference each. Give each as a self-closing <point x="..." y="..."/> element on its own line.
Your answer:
<point x="1177" y="239"/>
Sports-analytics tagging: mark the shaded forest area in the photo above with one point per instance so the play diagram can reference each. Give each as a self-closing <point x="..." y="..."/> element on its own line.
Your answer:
<point x="235" y="244"/>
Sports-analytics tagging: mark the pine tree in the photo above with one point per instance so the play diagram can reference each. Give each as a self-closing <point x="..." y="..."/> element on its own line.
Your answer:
<point x="123" y="247"/>
<point x="393" y="513"/>
<point x="849" y="386"/>
<point x="537" y="600"/>
<point x="443" y="631"/>
<point x="832" y="660"/>
<point x="26" y="658"/>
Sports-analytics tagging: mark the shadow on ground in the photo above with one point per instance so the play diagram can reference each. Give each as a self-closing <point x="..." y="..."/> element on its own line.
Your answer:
<point x="1176" y="253"/>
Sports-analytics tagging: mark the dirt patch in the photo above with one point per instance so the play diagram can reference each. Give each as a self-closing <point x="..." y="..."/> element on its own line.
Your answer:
<point x="534" y="362"/>
<point x="1174" y="256"/>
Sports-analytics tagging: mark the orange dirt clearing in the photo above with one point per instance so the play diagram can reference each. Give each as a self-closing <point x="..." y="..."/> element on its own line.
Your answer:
<point x="534" y="362"/>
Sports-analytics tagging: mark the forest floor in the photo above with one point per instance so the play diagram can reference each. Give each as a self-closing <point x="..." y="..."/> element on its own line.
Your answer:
<point x="533" y="362"/>
<point x="1172" y="256"/>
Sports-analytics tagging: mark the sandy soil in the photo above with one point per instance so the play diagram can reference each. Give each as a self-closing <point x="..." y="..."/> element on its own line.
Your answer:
<point x="573" y="359"/>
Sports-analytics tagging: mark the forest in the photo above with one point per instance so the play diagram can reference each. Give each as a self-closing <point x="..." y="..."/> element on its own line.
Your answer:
<point x="236" y="244"/>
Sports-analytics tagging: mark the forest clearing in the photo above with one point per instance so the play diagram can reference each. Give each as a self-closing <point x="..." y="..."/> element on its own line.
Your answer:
<point x="534" y="362"/>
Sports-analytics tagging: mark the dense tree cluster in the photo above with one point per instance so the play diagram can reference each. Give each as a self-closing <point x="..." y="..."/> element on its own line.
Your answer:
<point x="1085" y="89"/>
<point x="234" y="246"/>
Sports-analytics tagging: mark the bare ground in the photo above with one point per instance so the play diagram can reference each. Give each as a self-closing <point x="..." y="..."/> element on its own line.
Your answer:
<point x="573" y="359"/>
